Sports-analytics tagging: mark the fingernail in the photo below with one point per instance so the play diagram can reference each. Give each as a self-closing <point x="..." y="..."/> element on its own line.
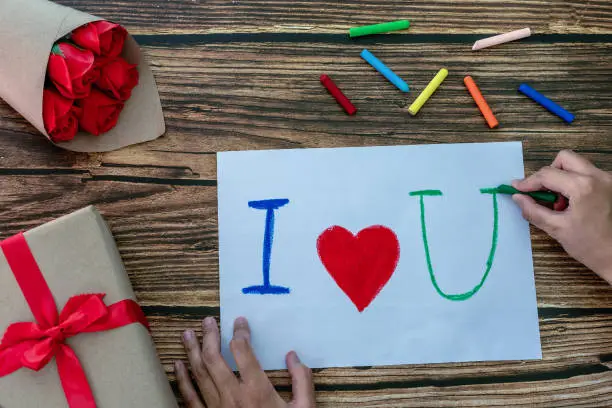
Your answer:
<point x="210" y="321"/>
<point x="177" y="365"/>
<point x="241" y="321"/>
<point x="293" y="357"/>
<point x="516" y="182"/>
<point x="188" y="335"/>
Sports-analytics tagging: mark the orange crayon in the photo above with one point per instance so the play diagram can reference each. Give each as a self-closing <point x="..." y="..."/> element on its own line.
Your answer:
<point x="480" y="101"/>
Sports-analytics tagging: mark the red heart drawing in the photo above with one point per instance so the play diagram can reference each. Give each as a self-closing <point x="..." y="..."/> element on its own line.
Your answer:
<point x="360" y="264"/>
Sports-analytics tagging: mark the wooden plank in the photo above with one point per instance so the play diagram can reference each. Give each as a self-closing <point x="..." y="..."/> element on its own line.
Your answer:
<point x="583" y="392"/>
<point x="574" y="352"/>
<point x="167" y="236"/>
<point x="568" y="343"/>
<point x="437" y="16"/>
<point x="587" y="391"/>
<point x="227" y="96"/>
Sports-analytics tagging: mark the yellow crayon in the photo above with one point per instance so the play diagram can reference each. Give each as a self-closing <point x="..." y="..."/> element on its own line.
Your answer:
<point x="428" y="91"/>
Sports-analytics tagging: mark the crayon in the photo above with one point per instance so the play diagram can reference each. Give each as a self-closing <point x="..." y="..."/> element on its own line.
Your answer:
<point x="544" y="196"/>
<point x="481" y="102"/>
<point x="428" y="91"/>
<point x="547" y="103"/>
<point x="501" y="38"/>
<point x="338" y="95"/>
<point x="379" y="28"/>
<point x="384" y="70"/>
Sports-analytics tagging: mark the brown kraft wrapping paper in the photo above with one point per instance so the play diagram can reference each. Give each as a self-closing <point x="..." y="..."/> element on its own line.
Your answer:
<point x="77" y="254"/>
<point x="28" y="29"/>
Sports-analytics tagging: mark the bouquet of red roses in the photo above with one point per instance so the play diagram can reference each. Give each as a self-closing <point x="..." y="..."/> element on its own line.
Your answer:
<point x="80" y="80"/>
<point x="88" y="81"/>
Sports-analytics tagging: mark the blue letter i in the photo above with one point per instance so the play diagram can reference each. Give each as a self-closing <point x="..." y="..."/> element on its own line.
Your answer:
<point x="266" y="288"/>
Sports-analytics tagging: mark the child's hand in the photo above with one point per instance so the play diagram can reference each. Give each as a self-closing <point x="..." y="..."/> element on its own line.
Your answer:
<point x="218" y="384"/>
<point x="585" y="227"/>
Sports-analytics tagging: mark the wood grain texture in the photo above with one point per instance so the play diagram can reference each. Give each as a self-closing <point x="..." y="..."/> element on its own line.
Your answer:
<point x="575" y="360"/>
<point x="244" y="75"/>
<point x="571" y="346"/>
<point x="260" y="95"/>
<point x="437" y="16"/>
<point x="167" y="236"/>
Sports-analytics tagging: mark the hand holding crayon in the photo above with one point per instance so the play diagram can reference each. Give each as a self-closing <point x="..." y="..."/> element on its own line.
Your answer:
<point x="585" y="228"/>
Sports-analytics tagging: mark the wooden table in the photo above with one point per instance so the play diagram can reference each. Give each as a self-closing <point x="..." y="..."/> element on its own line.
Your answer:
<point x="244" y="75"/>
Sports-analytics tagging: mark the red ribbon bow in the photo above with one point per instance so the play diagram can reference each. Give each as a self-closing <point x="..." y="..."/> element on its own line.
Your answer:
<point x="33" y="345"/>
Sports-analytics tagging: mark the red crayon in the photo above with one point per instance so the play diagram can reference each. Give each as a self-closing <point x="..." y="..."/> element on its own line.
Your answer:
<point x="338" y="95"/>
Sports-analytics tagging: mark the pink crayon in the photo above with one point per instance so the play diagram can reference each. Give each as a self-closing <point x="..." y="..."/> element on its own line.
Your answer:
<point x="502" y="38"/>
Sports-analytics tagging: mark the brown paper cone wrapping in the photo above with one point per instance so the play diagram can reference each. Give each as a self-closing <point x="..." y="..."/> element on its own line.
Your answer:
<point x="28" y="29"/>
<point x="77" y="254"/>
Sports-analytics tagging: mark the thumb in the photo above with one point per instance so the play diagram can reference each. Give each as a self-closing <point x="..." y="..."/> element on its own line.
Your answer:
<point x="301" y="380"/>
<point x="538" y="215"/>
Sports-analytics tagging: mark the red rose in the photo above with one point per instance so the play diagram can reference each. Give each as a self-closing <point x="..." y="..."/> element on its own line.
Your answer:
<point x="72" y="70"/>
<point x="59" y="116"/>
<point x="118" y="78"/>
<point x="101" y="37"/>
<point x="99" y="113"/>
<point x="100" y="62"/>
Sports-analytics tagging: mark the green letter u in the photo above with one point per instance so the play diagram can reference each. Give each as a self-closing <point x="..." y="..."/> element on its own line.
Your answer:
<point x="466" y="295"/>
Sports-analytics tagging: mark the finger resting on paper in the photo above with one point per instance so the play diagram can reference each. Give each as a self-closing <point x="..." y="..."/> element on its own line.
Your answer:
<point x="301" y="381"/>
<point x="248" y="365"/>
<point x="217" y="367"/>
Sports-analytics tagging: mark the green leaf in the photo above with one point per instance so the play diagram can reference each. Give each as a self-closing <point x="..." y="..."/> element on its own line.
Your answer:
<point x="56" y="50"/>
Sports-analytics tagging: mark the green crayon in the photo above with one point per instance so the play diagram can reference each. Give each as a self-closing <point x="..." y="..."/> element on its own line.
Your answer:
<point x="379" y="28"/>
<point x="545" y="196"/>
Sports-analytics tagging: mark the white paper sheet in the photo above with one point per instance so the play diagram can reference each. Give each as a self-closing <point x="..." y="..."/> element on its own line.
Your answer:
<point x="355" y="188"/>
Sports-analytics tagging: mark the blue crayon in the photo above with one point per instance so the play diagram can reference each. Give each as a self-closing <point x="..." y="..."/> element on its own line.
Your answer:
<point x="384" y="70"/>
<point x="547" y="103"/>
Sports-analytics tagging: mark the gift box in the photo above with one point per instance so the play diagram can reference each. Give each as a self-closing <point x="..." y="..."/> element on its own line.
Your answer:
<point x="67" y="309"/>
<point x="28" y="30"/>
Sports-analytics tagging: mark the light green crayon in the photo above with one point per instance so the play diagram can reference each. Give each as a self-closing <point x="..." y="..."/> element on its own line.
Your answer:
<point x="379" y="28"/>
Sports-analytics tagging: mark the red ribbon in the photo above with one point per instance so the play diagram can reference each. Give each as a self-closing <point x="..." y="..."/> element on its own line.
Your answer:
<point x="33" y="345"/>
